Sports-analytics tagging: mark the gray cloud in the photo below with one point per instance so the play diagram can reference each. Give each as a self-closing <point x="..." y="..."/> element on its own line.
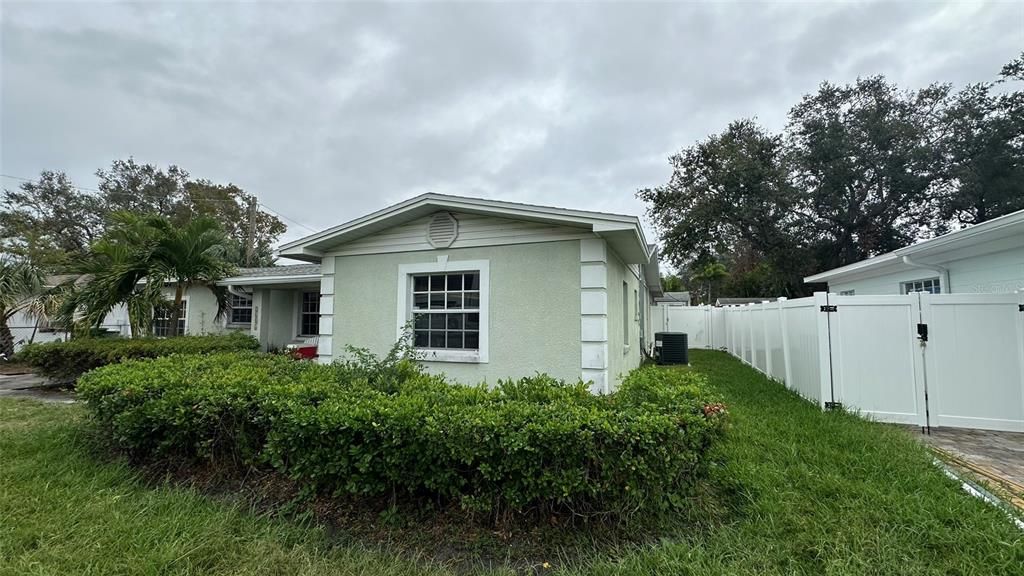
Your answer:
<point x="327" y="111"/>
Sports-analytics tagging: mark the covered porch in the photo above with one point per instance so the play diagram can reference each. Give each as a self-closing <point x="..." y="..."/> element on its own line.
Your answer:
<point x="281" y="305"/>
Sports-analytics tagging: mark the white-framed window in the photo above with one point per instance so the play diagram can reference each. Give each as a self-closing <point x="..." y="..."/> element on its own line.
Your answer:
<point x="446" y="304"/>
<point x="309" y="314"/>
<point x="162" y="319"/>
<point x="625" y="316"/>
<point x="241" y="310"/>
<point x="930" y="285"/>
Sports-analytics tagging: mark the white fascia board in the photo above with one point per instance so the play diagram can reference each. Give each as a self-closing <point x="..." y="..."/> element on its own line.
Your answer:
<point x="264" y="280"/>
<point x="597" y="221"/>
<point x="852" y="270"/>
<point x="980" y="233"/>
<point x="301" y="253"/>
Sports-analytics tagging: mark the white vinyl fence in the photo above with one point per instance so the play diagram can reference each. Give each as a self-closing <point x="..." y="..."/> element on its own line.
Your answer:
<point x="923" y="359"/>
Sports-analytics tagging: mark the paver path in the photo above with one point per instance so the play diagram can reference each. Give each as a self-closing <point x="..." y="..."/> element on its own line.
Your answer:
<point x="999" y="454"/>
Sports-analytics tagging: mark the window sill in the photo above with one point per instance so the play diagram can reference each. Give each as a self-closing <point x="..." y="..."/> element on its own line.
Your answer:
<point x="463" y="356"/>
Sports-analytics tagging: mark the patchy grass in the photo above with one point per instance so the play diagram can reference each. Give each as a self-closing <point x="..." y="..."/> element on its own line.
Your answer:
<point x="795" y="491"/>
<point x="827" y="493"/>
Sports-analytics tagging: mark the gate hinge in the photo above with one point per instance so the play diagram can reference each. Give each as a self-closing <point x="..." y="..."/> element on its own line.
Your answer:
<point x="829" y="308"/>
<point x="833" y="405"/>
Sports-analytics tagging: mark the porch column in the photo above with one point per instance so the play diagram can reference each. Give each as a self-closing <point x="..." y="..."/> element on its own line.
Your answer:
<point x="325" y="343"/>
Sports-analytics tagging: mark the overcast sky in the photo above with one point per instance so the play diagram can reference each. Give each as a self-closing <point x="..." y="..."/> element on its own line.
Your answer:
<point x="328" y="111"/>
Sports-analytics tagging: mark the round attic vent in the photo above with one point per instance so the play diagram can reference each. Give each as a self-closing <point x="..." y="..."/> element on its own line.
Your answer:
<point x="442" y="230"/>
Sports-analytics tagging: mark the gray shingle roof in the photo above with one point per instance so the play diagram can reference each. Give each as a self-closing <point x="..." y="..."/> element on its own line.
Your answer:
<point x="674" y="297"/>
<point x="735" y="301"/>
<point x="291" y="270"/>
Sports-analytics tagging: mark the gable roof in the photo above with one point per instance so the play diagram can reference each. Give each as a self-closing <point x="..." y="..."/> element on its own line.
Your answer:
<point x="991" y="236"/>
<point x="622" y="232"/>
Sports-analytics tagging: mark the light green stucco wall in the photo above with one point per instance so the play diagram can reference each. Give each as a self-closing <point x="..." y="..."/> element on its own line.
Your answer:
<point x="620" y="358"/>
<point x="534" y="310"/>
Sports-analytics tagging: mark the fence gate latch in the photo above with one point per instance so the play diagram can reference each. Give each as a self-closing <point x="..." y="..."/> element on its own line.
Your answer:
<point x="829" y="308"/>
<point x="833" y="405"/>
<point x="922" y="332"/>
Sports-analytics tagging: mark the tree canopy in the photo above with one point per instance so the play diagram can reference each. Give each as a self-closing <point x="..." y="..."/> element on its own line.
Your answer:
<point x="859" y="170"/>
<point x="53" y="223"/>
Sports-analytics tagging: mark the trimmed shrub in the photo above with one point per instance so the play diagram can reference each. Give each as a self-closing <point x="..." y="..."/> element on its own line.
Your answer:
<point x="66" y="361"/>
<point x="533" y="442"/>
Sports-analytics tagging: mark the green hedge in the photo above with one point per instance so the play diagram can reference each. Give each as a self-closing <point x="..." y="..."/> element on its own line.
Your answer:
<point x="66" y="361"/>
<point x="524" y="443"/>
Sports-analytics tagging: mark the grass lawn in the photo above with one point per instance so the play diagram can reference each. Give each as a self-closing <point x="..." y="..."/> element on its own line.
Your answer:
<point x="797" y="491"/>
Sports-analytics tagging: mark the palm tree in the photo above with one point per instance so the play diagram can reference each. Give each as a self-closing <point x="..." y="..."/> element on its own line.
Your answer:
<point x="21" y="285"/>
<point x="132" y="262"/>
<point x="193" y="255"/>
<point x="711" y="274"/>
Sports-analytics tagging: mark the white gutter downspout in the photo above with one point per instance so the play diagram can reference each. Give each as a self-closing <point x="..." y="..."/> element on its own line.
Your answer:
<point x="946" y="287"/>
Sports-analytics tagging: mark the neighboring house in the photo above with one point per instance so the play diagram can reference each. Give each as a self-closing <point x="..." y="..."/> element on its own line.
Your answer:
<point x="490" y="289"/>
<point x="986" y="258"/>
<point x="673" y="299"/>
<point x="741" y="301"/>
<point x="199" y="307"/>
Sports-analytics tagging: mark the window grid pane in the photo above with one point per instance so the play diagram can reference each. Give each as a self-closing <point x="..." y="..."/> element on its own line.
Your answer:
<point x="162" y="319"/>
<point x="309" y="314"/>
<point x="446" y="310"/>
<point x="241" y="309"/>
<point x="931" y="285"/>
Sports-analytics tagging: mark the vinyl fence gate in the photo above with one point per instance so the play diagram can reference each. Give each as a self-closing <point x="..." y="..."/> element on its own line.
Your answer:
<point x="923" y="359"/>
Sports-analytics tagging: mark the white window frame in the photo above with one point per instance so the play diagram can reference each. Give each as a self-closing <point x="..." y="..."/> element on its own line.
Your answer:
<point x="441" y="266"/>
<point x="905" y="287"/>
<point x="625" y="317"/>
<point x="231" y="309"/>
<point x="184" y="329"/>
<point x="300" y="313"/>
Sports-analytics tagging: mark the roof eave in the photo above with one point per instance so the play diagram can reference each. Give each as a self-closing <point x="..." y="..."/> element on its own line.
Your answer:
<point x="965" y="238"/>
<point x="268" y="280"/>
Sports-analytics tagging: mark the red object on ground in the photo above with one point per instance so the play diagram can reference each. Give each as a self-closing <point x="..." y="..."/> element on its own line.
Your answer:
<point x="305" y="352"/>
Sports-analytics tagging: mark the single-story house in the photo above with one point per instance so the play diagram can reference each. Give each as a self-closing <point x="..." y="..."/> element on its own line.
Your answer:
<point x="199" y="317"/>
<point x="673" y="299"/>
<point x="728" y="301"/>
<point x="489" y="289"/>
<point x="985" y="258"/>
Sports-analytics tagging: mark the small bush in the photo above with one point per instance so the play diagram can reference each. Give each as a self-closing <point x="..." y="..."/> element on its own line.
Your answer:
<point x="533" y="442"/>
<point x="66" y="361"/>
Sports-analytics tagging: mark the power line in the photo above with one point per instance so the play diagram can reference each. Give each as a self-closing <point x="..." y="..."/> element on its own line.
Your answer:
<point x="292" y="220"/>
<point x="31" y="180"/>
<point x="191" y="195"/>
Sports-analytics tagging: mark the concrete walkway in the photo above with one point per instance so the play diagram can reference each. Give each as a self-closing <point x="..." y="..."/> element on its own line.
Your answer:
<point x="32" y="386"/>
<point x="999" y="456"/>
